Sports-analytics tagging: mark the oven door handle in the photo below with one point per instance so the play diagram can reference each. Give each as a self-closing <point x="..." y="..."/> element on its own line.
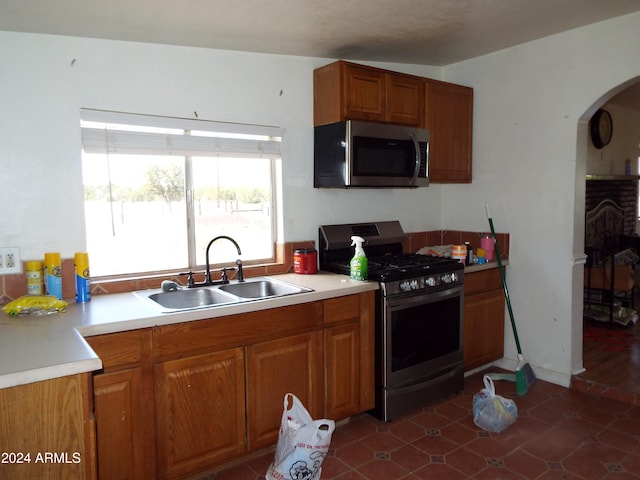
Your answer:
<point x="416" y="169"/>
<point x="408" y="300"/>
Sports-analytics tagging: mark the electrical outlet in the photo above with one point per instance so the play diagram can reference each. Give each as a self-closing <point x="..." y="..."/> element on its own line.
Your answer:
<point x="10" y="260"/>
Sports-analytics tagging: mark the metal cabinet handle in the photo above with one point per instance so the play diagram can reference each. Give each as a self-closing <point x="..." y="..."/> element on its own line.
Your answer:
<point x="416" y="170"/>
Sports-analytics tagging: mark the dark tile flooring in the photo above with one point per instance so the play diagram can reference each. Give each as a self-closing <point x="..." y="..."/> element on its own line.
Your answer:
<point x="611" y="359"/>
<point x="560" y="434"/>
<point x="589" y="431"/>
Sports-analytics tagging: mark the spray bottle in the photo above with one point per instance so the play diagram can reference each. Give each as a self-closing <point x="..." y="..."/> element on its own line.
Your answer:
<point x="359" y="263"/>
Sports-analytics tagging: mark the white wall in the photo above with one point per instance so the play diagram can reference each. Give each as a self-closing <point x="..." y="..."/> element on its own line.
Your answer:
<point x="532" y="104"/>
<point x="45" y="80"/>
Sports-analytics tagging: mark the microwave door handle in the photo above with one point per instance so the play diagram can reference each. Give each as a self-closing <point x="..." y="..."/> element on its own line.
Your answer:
<point x="416" y="170"/>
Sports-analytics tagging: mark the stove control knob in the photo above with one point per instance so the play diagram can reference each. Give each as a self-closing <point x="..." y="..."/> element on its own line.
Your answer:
<point x="454" y="277"/>
<point x="414" y="284"/>
<point x="446" y="278"/>
<point x="405" y="286"/>
<point x="430" y="281"/>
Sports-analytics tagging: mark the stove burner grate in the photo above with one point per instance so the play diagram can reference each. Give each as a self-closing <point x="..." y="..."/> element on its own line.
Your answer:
<point x="396" y="267"/>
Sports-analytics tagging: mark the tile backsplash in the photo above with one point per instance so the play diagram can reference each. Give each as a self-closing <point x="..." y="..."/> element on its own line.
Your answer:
<point x="416" y="240"/>
<point x="15" y="285"/>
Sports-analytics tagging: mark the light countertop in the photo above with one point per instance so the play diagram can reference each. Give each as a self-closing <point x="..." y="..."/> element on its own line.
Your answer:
<point x="34" y="348"/>
<point x="484" y="266"/>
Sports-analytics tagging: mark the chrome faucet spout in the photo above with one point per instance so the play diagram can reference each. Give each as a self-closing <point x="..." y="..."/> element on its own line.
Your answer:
<point x="207" y="277"/>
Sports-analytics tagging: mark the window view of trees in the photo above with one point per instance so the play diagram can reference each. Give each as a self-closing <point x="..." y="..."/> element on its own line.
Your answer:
<point x="166" y="183"/>
<point x="150" y="212"/>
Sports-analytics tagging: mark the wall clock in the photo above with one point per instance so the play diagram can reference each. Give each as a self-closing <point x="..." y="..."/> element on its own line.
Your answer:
<point x="601" y="127"/>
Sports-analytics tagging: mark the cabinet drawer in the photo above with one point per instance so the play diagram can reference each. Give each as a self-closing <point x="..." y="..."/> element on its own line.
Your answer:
<point x="235" y="330"/>
<point x="483" y="281"/>
<point x="122" y="349"/>
<point x="342" y="308"/>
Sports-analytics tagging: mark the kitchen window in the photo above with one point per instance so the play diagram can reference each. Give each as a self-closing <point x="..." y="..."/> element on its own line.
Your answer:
<point x="158" y="189"/>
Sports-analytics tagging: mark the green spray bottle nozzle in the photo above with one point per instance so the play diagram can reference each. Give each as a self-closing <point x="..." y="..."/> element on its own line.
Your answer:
<point x="357" y="241"/>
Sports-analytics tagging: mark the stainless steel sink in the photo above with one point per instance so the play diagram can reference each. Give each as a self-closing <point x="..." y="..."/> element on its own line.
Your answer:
<point x="262" y="288"/>
<point x="212" y="296"/>
<point x="186" y="299"/>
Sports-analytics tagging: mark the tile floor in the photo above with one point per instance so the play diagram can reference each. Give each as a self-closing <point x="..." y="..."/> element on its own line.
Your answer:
<point x="611" y="359"/>
<point x="560" y="434"/>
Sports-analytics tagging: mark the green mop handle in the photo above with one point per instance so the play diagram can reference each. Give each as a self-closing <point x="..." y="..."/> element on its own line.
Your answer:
<point x="504" y="280"/>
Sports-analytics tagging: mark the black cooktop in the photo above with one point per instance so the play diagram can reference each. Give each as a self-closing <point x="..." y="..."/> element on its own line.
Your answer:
<point x="389" y="268"/>
<point x="383" y="247"/>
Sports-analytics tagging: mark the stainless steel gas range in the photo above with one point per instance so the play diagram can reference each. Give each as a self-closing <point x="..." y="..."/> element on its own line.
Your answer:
<point x="419" y="315"/>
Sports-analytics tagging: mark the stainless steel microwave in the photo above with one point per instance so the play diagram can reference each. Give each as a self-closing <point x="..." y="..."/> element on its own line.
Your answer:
<point x="366" y="154"/>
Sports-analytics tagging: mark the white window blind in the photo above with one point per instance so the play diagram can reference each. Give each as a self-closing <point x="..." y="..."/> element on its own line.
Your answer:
<point x="110" y="132"/>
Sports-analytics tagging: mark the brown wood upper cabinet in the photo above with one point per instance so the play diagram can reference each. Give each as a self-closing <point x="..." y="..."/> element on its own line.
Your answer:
<point x="347" y="91"/>
<point x="449" y="117"/>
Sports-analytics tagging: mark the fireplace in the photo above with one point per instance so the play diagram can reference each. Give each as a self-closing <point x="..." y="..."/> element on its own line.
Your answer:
<point x="622" y="191"/>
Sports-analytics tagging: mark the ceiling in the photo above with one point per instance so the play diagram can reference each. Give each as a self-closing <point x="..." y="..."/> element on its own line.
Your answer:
<point x="425" y="32"/>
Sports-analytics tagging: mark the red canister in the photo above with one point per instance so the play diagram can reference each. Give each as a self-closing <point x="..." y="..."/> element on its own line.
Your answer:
<point x="305" y="261"/>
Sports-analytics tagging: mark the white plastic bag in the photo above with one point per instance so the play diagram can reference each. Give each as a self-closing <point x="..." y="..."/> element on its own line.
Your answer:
<point x="302" y="443"/>
<point x="492" y="412"/>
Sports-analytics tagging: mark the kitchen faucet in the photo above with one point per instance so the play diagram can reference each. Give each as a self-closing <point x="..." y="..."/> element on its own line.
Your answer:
<point x="207" y="276"/>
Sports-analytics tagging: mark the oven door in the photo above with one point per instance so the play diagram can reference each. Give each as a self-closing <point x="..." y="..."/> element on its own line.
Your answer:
<point x="422" y="336"/>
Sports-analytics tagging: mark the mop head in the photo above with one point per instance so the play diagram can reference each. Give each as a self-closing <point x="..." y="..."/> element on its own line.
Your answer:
<point x="524" y="376"/>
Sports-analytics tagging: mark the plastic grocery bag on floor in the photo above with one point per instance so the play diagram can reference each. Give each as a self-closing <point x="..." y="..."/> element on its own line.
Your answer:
<point x="493" y="412"/>
<point x="302" y="443"/>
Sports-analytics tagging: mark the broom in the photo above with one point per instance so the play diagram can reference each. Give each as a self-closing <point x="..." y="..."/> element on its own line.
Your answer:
<point x="524" y="375"/>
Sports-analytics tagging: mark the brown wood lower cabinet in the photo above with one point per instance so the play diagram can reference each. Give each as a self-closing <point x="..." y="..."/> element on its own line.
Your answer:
<point x="118" y="410"/>
<point x="47" y="430"/>
<point x="349" y="344"/>
<point x="123" y="405"/>
<point x="199" y="412"/>
<point x="483" y="318"/>
<point x="274" y="368"/>
<point x="176" y="400"/>
<point x="342" y="346"/>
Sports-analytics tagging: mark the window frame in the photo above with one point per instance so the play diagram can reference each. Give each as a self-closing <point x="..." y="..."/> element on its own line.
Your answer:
<point x="266" y="144"/>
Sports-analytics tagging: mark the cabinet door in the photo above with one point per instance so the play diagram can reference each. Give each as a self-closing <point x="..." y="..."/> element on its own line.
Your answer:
<point x="483" y="328"/>
<point x="449" y="117"/>
<point x="42" y="419"/>
<point x="405" y="99"/>
<point x="365" y="93"/>
<point x="199" y="412"/>
<point x="123" y="397"/>
<point x="274" y="368"/>
<point x="348" y="91"/>
<point x="342" y="352"/>
<point x="120" y="434"/>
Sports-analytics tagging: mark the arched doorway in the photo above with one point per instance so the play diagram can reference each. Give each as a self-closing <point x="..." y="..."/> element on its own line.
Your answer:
<point x="626" y="95"/>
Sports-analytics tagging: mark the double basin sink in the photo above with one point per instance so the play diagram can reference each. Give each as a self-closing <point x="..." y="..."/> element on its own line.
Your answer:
<point x="210" y="296"/>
